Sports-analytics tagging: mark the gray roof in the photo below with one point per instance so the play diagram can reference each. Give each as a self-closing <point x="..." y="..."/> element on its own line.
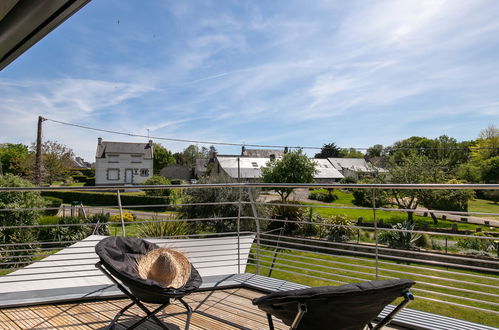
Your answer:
<point x="106" y="147"/>
<point x="353" y="164"/>
<point x="263" y="153"/>
<point x="325" y="170"/>
<point x="250" y="167"/>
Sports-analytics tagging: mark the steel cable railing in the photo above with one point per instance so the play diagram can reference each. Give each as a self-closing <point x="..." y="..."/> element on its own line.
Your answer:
<point x="453" y="279"/>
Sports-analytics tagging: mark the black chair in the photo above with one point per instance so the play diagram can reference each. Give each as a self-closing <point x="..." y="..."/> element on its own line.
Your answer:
<point x="347" y="307"/>
<point x="118" y="257"/>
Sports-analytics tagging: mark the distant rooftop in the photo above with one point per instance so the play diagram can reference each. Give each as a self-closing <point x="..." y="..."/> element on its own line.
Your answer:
<point x="104" y="147"/>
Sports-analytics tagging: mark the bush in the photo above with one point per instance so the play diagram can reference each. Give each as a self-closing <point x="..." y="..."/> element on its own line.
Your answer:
<point x="364" y="197"/>
<point x="164" y="228"/>
<point x="333" y="228"/>
<point x="217" y="195"/>
<point x="52" y="202"/>
<point x="157" y="180"/>
<point x="323" y="195"/>
<point x="108" y="199"/>
<point x="63" y="233"/>
<point x="399" y="239"/>
<point x="127" y="217"/>
<point x="477" y="244"/>
<point x="17" y="200"/>
<point x="348" y="180"/>
<point x="284" y="212"/>
<point x="79" y="178"/>
<point x="90" y="182"/>
<point x="491" y="195"/>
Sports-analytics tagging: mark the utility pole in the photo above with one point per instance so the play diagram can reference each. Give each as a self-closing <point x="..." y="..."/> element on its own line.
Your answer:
<point x="38" y="160"/>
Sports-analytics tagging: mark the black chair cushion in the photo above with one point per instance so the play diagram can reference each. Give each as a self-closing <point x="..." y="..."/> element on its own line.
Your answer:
<point x="120" y="255"/>
<point x="348" y="307"/>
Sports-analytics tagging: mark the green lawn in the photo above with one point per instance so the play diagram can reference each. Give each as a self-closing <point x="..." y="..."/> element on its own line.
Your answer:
<point x="393" y="217"/>
<point x="482" y="205"/>
<point x="315" y="269"/>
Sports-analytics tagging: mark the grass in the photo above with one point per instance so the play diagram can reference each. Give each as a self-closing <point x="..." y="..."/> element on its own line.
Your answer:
<point x="483" y="205"/>
<point x="393" y="217"/>
<point x="329" y="270"/>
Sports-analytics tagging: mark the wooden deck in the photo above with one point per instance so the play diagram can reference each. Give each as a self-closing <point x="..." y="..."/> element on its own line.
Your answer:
<point x="223" y="309"/>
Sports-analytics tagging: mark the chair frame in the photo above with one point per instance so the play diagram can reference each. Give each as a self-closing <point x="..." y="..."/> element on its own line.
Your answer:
<point x="302" y="309"/>
<point x="135" y="301"/>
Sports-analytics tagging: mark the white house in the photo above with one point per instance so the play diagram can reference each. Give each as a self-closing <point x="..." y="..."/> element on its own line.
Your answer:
<point x="118" y="163"/>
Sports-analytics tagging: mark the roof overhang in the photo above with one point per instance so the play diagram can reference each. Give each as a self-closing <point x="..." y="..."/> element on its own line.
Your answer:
<point x="24" y="22"/>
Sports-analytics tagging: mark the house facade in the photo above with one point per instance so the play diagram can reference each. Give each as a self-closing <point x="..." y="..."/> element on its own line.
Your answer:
<point x="123" y="163"/>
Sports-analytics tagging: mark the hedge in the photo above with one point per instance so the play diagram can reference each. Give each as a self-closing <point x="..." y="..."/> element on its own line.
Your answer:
<point x="52" y="202"/>
<point x="108" y="199"/>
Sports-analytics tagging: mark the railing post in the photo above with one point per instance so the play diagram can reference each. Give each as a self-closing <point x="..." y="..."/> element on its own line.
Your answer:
<point x="257" y="222"/>
<point x="121" y="214"/>
<point x="375" y="230"/>
<point x="239" y="206"/>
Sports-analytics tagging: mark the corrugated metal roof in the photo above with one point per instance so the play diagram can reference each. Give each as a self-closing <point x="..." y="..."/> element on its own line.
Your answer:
<point x="144" y="149"/>
<point x="325" y="170"/>
<point x="354" y="164"/>
<point x="262" y="153"/>
<point x="250" y="167"/>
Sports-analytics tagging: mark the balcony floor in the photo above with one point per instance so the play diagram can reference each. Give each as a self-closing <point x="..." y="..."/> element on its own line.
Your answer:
<point x="221" y="309"/>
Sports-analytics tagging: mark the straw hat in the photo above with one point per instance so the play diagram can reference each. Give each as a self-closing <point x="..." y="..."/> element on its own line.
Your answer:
<point x="170" y="268"/>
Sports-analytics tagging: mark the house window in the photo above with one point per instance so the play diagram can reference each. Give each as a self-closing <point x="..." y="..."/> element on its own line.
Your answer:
<point x="113" y="158"/>
<point x="136" y="158"/>
<point x="254" y="164"/>
<point x="144" y="172"/>
<point x="113" y="173"/>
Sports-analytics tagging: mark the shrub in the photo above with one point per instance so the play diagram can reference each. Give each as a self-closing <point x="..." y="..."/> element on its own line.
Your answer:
<point x="61" y="232"/>
<point x="17" y="200"/>
<point x="323" y="195"/>
<point x="164" y="228"/>
<point x="285" y="212"/>
<point x="334" y="228"/>
<point x="364" y="197"/>
<point x="90" y="182"/>
<point x="348" y="179"/>
<point x="399" y="239"/>
<point x="127" y="217"/>
<point x="79" y="178"/>
<point x="217" y="195"/>
<point x="477" y="244"/>
<point x="108" y="199"/>
<point x="491" y="195"/>
<point x="52" y="202"/>
<point x="157" y="180"/>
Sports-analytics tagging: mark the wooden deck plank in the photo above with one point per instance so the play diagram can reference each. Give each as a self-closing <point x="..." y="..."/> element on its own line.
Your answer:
<point x="6" y="323"/>
<point x="221" y="310"/>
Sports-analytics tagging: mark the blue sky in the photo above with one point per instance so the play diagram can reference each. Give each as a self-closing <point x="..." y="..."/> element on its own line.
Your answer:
<point x="355" y="73"/>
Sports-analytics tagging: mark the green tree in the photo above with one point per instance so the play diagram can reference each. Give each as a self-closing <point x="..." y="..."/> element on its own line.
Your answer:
<point x="351" y="153"/>
<point x="487" y="144"/>
<point x="161" y="157"/>
<point x="294" y="167"/>
<point x="330" y="150"/>
<point x="375" y="151"/>
<point x="412" y="168"/>
<point x="11" y="155"/>
<point x="446" y="200"/>
<point x="57" y="160"/>
<point x="490" y="170"/>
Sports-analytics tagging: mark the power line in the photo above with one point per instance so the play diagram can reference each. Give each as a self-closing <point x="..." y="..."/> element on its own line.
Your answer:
<point x="251" y="145"/>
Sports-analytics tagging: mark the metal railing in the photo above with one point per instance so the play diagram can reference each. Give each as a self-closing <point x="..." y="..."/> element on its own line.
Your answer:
<point x="311" y="251"/>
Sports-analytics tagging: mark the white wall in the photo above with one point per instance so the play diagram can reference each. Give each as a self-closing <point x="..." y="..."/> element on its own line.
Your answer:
<point x="124" y="161"/>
